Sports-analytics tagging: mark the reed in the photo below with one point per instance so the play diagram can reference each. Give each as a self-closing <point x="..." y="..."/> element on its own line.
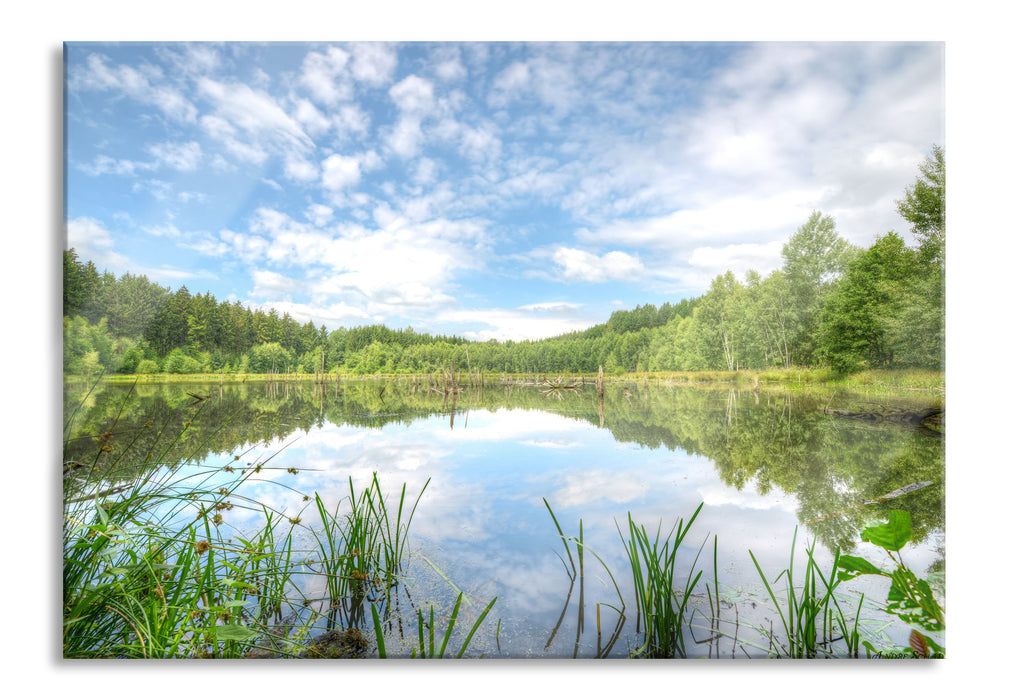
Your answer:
<point x="662" y="607"/>
<point x="362" y="552"/>
<point x="429" y="652"/>
<point x="809" y="621"/>
<point x="147" y="572"/>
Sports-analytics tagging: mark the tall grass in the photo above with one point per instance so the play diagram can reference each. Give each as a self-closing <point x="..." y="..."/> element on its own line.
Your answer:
<point x="812" y="615"/>
<point x="147" y="572"/>
<point x="362" y="550"/>
<point x="662" y="607"/>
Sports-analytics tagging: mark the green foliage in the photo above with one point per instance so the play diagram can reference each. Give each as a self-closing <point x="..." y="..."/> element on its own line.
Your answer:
<point x="89" y="348"/>
<point x="910" y="598"/>
<point x="270" y="357"/>
<point x="427" y="650"/>
<point x="815" y="258"/>
<point x="886" y="311"/>
<point x="810" y="621"/>
<point x="662" y="606"/>
<point x="178" y="362"/>
<point x="924" y="205"/>
<point x="147" y="367"/>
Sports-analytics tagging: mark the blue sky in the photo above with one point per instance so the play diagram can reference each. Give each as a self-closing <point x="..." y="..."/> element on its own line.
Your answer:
<point x="490" y="190"/>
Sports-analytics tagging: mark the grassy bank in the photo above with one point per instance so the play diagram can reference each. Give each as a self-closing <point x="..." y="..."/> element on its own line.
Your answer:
<point x="870" y="381"/>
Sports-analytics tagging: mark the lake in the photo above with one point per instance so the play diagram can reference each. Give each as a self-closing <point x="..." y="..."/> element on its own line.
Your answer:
<point x="768" y="465"/>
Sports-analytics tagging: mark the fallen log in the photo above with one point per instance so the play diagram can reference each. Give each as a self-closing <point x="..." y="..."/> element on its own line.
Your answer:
<point x="893" y="415"/>
<point x="910" y="488"/>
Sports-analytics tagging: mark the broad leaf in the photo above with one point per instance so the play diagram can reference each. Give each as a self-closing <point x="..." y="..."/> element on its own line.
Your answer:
<point x="848" y="567"/>
<point x="911" y="600"/>
<point x="891" y="535"/>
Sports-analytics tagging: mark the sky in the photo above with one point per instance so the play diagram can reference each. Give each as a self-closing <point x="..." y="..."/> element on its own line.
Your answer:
<point x="487" y="190"/>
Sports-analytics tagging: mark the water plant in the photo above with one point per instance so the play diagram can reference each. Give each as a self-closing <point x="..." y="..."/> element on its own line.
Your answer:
<point x="148" y="573"/>
<point x="911" y="599"/>
<point x="662" y="607"/>
<point x="428" y="652"/>
<point x="812" y="615"/>
<point x="578" y="574"/>
<point x="362" y="550"/>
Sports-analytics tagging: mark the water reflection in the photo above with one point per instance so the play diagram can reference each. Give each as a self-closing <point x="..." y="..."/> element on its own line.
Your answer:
<point x="762" y="464"/>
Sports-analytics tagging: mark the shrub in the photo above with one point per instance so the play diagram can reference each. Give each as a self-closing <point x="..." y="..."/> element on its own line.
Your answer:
<point x="147" y="367"/>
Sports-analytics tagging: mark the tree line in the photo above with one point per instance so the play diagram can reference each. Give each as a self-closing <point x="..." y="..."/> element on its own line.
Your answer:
<point x="831" y="304"/>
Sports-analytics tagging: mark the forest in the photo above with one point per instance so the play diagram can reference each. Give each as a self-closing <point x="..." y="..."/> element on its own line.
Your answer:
<point x="832" y="304"/>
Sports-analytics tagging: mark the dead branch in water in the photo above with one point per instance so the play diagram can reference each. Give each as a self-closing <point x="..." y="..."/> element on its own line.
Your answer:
<point x="928" y="416"/>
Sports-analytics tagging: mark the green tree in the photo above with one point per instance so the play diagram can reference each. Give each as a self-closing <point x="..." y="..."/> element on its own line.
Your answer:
<point x="719" y="323"/>
<point x="815" y="258"/>
<point x="79" y="283"/>
<point x="856" y="328"/>
<point x="924" y="205"/>
<point x="269" y="357"/>
<point x="919" y="326"/>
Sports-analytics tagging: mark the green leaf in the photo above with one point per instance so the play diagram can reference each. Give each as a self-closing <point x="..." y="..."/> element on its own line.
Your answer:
<point x="911" y="600"/>
<point x="849" y="567"/>
<point x="235" y="633"/>
<point x="891" y="535"/>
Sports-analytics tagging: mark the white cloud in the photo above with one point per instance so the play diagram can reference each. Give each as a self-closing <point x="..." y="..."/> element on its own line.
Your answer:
<point x="522" y="323"/>
<point x="402" y="268"/>
<point x="223" y="131"/>
<point x="163" y="230"/>
<point x="180" y="156"/>
<point x="552" y="307"/>
<point x="340" y="173"/>
<point x="88" y="237"/>
<point x="582" y="266"/>
<point x="319" y="214"/>
<point x="255" y="113"/>
<point x="272" y="285"/>
<point x="764" y="258"/>
<point x="106" y="165"/>
<point x="350" y="120"/>
<point x="299" y="169"/>
<point x="413" y="95"/>
<point x="326" y="76"/>
<point x="97" y="75"/>
<point x="425" y="171"/>
<point x="480" y="143"/>
<point x="191" y="59"/>
<point x="374" y="63"/>
<point x="241" y="245"/>
<point x="717" y="221"/>
<point x="598" y="484"/>
<point x="406" y="138"/>
<point x="309" y="116"/>
<point x="450" y="70"/>
<point x="511" y="80"/>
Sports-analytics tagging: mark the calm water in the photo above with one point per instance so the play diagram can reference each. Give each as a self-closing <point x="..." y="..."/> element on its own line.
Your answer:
<point x="765" y="465"/>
